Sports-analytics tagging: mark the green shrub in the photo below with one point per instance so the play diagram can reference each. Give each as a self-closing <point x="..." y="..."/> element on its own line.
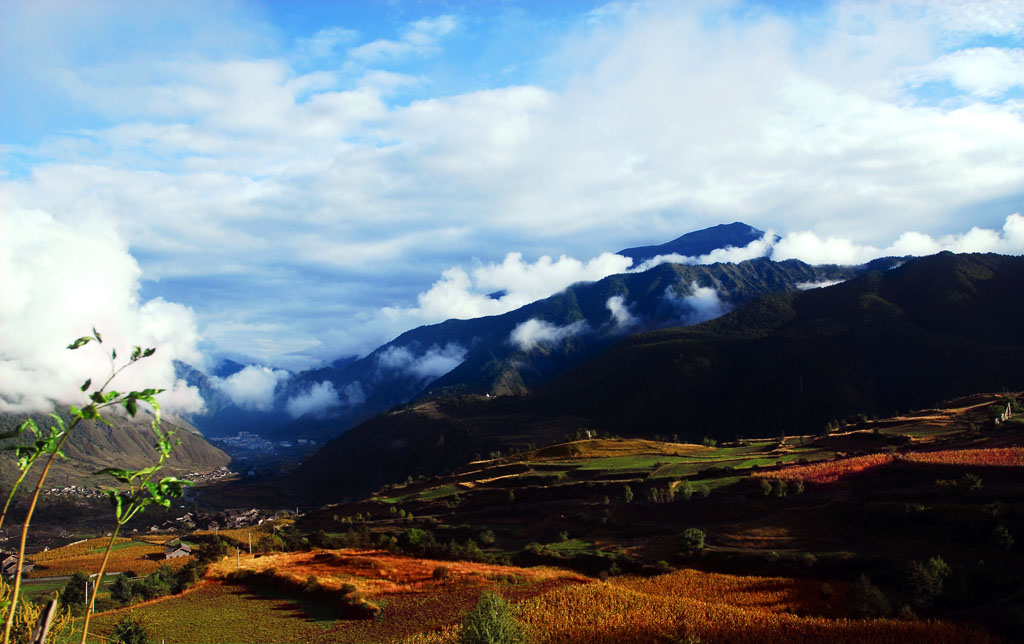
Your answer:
<point x="129" y="631"/>
<point x="491" y="622"/>
<point x="693" y="539"/>
<point x="867" y="600"/>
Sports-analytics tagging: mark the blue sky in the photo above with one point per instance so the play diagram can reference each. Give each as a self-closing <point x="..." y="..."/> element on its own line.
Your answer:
<point x="286" y="183"/>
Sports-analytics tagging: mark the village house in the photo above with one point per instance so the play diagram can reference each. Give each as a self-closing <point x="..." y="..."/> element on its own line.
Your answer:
<point x="9" y="564"/>
<point x="175" y="550"/>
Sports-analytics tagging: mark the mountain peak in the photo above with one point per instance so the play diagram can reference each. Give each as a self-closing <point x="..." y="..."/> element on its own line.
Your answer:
<point x="698" y="242"/>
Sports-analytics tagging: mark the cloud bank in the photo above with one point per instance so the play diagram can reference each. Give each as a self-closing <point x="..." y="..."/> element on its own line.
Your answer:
<point x="61" y="279"/>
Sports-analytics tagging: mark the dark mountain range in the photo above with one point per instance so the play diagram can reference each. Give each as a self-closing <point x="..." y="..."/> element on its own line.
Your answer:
<point x="566" y="328"/>
<point x="788" y="362"/>
<point x="699" y="242"/>
<point x="515" y="352"/>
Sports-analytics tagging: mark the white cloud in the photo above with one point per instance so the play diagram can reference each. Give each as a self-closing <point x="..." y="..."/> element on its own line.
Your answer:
<point x="251" y="387"/>
<point x="60" y="280"/>
<point x="621" y="315"/>
<point x="317" y="401"/>
<point x="535" y="332"/>
<point x="462" y="295"/>
<point x="324" y="42"/>
<point x="806" y="286"/>
<point x="983" y="71"/>
<point x="420" y="38"/>
<point x="432" y="364"/>
<point x="230" y="164"/>
<point x="701" y="304"/>
<point x="809" y="247"/>
<point x="728" y="255"/>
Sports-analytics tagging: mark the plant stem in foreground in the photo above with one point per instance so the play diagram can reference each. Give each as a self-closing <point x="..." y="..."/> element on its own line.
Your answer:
<point x="24" y="531"/>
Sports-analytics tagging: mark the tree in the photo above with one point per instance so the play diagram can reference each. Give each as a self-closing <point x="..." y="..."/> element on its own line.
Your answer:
<point x="122" y="590"/>
<point x="73" y="595"/>
<point x="1002" y="538"/>
<point x="868" y="600"/>
<point x="924" y="581"/>
<point x="693" y="539"/>
<point x="627" y="493"/>
<point x="491" y="622"/>
<point x="130" y="631"/>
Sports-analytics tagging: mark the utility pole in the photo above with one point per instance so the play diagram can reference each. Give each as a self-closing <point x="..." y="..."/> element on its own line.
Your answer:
<point x="250" y="542"/>
<point x="238" y="559"/>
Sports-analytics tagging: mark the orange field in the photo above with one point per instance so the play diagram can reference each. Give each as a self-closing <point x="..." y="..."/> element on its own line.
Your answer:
<point x="379" y="572"/>
<point x="832" y="471"/>
<point x="991" y="457"/>
<point x="827" y="471"/>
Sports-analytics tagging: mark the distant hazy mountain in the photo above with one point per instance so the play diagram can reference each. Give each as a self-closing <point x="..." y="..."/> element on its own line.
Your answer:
<point x="787" y="362"/>
<point x="699" y="242"/>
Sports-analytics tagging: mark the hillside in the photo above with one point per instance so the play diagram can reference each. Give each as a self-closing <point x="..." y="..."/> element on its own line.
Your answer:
<point x="901" y="529"/>
<point x="94" y="446"/>
<point x="932" y="329"/>
<point x="870" y="498"/>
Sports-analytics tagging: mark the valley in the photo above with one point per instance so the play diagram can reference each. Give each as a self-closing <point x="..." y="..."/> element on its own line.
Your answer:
<point x="758" y="538"/>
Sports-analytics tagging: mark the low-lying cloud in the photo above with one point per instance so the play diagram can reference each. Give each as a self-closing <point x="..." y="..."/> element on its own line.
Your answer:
<point x="252" y="387"/>
<point x="316" y="402"/>
<point x="622" y="318"/>
<point x="430" y="365"/>
<point x="806" y="286"/>
<point x="60" y="279"/>
<point x="727" y="255"/>
<point x="703" y="303"/>
<point x="535" y="332"/>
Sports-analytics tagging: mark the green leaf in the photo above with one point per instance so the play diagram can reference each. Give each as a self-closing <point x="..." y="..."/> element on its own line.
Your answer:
<point x="28" y="424"/>
<point x="148" y="352"/>
<point x="125" y="476"/>
<point x="80" y="342"/>
<point x="136" y="353"/>
<point x="85" y="385"/>
<point x="111" y="395"/>
<point x="98" y="397"/>
<point x="113" y="354"/>
<point x="96" y="334"/>
<point x="131" y="406"/>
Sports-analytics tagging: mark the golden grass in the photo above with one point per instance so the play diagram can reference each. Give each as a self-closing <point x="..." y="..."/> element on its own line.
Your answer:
<point x="604" y="447"/>
<point x="716" y="608"/>
<point x="141" y="558"/>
